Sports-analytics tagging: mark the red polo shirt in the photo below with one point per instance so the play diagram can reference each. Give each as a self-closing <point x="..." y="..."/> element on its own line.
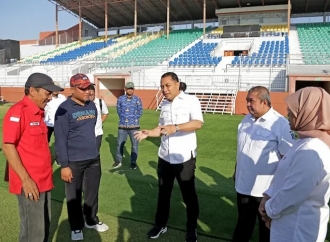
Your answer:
<point x="24" y="126"/>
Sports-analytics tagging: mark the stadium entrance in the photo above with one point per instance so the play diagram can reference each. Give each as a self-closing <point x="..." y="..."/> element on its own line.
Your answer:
<point x="110" y="88"/>
<point x="323" y="84"/>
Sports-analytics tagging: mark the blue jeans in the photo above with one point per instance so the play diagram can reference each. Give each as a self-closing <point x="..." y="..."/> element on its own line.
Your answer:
<point x="121" y="140"/>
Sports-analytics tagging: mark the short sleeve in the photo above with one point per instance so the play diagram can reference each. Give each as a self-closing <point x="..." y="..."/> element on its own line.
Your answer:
<point x="11" y="128"/>
<point x="104" y="108"/>
<point x="196" y="110"/>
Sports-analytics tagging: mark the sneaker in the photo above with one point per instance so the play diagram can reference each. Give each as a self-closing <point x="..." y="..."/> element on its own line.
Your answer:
<point x="100" y="227"/>
<point x="191" y="236"/>
<point x="116" y="165"/>
<point x="77" y="235"/>
<point x="133" y="166"/>
<point x="156" y="231"/>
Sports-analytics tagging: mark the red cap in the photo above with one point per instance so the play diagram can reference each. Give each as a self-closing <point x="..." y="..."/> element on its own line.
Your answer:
<point x="80" y="80"/>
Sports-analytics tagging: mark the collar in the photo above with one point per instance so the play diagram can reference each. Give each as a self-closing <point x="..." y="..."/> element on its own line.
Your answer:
<point x="32" y="106"/>
<point x="266" y="116"/>
<point x="181" y="96"/>
<point x="129" y="97"/>
<point x="72" y="102"/>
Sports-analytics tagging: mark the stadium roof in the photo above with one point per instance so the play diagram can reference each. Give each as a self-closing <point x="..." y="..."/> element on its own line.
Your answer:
<point x="121" y="12"/>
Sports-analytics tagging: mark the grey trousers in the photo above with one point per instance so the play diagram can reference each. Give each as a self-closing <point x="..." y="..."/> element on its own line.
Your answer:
<point x="35" y="218"/>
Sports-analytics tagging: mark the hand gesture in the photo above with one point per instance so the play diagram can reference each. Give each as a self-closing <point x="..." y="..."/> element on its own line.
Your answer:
<point x="30" y="189"/>
<point x="66" y="174"/>
<point x="167" y="129"/>
<point x="141" y="135"/>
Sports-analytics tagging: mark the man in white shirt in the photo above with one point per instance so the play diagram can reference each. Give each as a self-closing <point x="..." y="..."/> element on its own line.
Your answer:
<point x="264" y="136"/>
<point x="50" y="111"/>
<point x="102" y="114"/>
<point x="180" y="117"/>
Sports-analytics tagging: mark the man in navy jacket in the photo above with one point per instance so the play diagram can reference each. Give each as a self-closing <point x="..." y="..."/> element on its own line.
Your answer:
<point x="79" y="157"/>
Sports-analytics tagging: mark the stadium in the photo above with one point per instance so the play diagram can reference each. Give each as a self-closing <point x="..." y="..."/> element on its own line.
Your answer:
<point x="220" y="49"/>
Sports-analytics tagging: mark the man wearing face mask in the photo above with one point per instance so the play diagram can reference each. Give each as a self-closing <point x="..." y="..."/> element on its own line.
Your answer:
<point x="27" y="152"/>
<point x="79" y="157"/>
<point x="180" y="117"/>
<point x="129" y="109"/>
<point x="264" y="136"/>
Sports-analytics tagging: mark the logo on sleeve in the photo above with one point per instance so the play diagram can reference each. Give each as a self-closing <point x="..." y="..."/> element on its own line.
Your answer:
<point x="14" y="119"/>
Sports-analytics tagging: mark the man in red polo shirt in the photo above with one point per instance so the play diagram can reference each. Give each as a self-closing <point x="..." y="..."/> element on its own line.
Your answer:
<point x="25" y="146"/>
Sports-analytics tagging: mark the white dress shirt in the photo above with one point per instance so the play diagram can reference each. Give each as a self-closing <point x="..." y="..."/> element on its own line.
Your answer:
<point x="260" y="145"/>
<point x="51" y="109"/>
<point x="180" y="146"/>
<point x="300" y="194"/>
<point x="105" y="111"/>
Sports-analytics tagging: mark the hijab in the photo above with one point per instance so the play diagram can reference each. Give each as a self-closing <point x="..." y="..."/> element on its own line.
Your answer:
<point x="311" y="108"/>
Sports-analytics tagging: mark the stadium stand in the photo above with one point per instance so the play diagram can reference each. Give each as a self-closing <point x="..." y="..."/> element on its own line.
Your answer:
<point x="197" y="55"/>
<point x="48" y="54"/>
<point x="156" y="51"/>
<point x="314" y="40"/>
<point x="73" y="54"/>
<point x="270" y="53"/>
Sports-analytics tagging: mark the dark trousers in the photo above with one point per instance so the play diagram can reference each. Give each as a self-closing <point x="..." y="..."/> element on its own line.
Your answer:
<point x="247" y="213"/>
<point x="99" y="142"/>
<point x="35" y="218"/>
<point x="86" y="172"/>
<point x="185" y="175"/>
<point x="50" y="132"/>
<point x="121" y="140"/>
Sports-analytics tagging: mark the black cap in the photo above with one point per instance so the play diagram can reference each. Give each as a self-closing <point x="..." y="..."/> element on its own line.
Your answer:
<point x="44" y="81"/>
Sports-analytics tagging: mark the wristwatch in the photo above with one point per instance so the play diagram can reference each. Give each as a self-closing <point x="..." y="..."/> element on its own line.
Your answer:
<point x="176" y="128"/>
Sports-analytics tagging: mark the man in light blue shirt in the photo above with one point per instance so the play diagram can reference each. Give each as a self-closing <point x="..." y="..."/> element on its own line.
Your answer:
<point x="129" y="109"/>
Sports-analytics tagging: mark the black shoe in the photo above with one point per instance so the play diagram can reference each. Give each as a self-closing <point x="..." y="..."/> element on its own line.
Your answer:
<point x="156" y="231"/>
<point x="133" y="166"/>
<point x="191" y="236"/>
<point x="116" y="165"/>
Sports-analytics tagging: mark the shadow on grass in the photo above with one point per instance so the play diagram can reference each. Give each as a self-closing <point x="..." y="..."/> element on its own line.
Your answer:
<point x="64" y="233"/>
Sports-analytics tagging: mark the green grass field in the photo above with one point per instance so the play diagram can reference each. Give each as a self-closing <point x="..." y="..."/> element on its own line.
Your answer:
<point x="127" y="201"/>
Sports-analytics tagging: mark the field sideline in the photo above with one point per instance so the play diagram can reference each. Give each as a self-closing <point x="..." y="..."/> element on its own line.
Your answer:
<point x="128" y="197"/>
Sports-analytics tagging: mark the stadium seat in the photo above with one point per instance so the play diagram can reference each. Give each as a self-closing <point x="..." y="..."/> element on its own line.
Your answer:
<point x="197" y="55"/>
<point x="80" y="51"/>
<point x="314" y="41"/>
<point x="157" y="50"/>
<point x="271" y="53"/>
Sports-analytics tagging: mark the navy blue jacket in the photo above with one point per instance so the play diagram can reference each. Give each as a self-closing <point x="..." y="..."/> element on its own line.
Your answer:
<point x="74" y="131"/>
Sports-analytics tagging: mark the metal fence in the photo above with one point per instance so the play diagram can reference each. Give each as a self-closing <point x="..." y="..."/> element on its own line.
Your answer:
<point x="271" y="76"/>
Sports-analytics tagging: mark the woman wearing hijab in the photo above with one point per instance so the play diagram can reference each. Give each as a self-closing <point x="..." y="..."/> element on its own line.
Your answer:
<point x="296" y="204"/>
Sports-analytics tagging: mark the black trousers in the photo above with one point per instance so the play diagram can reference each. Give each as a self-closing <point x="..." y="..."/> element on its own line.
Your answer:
<point x="50" y="132"/>
<point x="185" y="175"/>
<point x="99" y="142"/>
<point x="247" y="213"/>
<point x="86" y="172"/>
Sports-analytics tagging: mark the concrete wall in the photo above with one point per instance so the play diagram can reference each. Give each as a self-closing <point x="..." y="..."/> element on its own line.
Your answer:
<point x="148" y="97"/>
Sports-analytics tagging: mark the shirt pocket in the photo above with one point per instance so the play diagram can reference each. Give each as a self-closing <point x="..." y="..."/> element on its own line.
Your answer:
<point x="263" y="138"/>
<point x="38" y="136"/>
<point x="165" y="117"/>
<point x="182" y="115"/>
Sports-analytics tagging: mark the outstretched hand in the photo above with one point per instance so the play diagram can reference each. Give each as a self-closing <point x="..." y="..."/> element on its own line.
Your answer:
<point x="141" y="135"/>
